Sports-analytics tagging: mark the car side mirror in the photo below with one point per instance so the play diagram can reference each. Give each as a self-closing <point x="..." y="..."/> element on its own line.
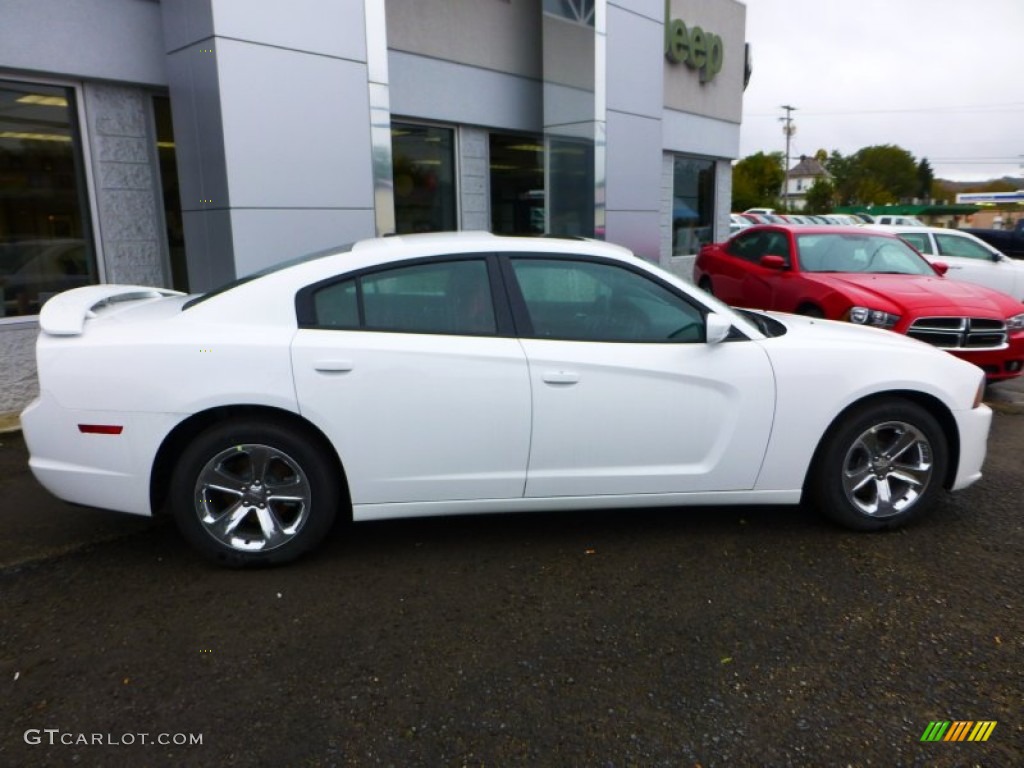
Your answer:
<point x="941" y="267"/>
<point x="771" y="261"/>
<point x="717" y="327"/>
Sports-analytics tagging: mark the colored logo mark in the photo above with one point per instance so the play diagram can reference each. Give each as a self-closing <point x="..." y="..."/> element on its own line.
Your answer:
<point x="958" y="730"/>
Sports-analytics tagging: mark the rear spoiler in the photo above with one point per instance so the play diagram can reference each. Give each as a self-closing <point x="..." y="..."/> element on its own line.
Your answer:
<point x="65" y="314"/>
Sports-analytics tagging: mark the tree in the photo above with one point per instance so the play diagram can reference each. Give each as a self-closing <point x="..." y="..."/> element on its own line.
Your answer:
<point x="876" y="175"/>
<point x="925" y="178"/>
<point x="885" y="172"/>
<point x="844" y="181"/>
<point x="820" y="197"/>
<point x="757" y="180"/>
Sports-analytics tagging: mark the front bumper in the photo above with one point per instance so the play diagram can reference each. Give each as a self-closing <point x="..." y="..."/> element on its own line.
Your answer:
<point x="973" y="426"/>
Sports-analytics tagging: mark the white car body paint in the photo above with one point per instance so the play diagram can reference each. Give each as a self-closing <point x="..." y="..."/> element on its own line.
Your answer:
<point x="440" y="424"/>
<point x="998" y="271"/>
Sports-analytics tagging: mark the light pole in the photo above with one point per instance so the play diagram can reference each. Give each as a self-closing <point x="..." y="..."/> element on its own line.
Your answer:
<point x="789" y="129"/>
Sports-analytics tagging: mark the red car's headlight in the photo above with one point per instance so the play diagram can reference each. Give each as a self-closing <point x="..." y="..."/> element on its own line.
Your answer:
<point x="868" y="316"/>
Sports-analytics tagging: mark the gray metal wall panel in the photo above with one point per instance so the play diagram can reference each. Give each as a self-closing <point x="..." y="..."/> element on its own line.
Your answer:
<point x="119" y="40"/>
<point x="432" y="89"/>
<point x="198" y="127"/>
<point x="634" y="163"/>
<point x="185" y="22"/>
<point x="315" y="26"/>
<point x="302" y="138"/>
<point x="495" y="35"/>
<point x="274" y="151"/>
<point x="266" y="237"/>
<point x="697" y="135"/>
<point x="652" y="9"/>
<point x="210" y="247"/>
<point x="635" y="69"/>
<point x="636" y="230"/>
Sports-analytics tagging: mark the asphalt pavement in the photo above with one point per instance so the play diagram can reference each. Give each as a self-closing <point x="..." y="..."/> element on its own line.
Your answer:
<point x="36" y="526"/>
<point x="688" y="638"/>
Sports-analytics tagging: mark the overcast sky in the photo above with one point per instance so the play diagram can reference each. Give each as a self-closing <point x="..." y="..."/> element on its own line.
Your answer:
<point x="944" y="79"/>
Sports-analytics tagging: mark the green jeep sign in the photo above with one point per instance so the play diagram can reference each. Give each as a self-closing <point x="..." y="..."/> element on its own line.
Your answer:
<point x="697" y="49"/>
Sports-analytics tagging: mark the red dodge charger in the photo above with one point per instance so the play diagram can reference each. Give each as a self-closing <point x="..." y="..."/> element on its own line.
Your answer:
<point x="868" y="278"/>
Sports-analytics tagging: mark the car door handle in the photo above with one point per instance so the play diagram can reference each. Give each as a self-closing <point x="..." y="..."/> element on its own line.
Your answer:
<point x="560" y="377"/>
<point x="333" y="366"/>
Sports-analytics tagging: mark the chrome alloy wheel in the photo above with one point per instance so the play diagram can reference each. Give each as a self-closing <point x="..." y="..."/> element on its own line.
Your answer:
<point x="252" y="497"/>
<point x="887" y="469"/>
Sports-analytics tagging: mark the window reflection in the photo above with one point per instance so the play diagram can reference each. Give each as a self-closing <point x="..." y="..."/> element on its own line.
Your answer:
<point x="45" y="242"/>
<point x="171" y="192"/>
<point x="517" y="184"/>
<point x="424" y="175"/>
<point x="693" y="204"/>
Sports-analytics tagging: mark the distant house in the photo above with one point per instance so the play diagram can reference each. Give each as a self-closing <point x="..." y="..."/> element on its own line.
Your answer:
<point x="801" y="178"/>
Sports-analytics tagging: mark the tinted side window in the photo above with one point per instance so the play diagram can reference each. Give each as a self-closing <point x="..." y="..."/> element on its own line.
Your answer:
<point x="451" y="297"/>
<point x="777" y="244"/>
<point x="584" y="301"/>
<point x="749" y="247"/>
<point x="954" y="245"/>
<point x="919" y="240"/>
<point x="337" y="306"/>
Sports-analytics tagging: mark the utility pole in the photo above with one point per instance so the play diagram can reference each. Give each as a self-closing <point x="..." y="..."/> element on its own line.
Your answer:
<point x="789" y="129"/>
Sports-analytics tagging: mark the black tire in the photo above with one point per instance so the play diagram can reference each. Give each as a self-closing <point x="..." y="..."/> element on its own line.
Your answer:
<point x="889" y="446"/>
<point x="809" y="310"/>
<point x="250" y="494"/>
<point x="705" y="285"/>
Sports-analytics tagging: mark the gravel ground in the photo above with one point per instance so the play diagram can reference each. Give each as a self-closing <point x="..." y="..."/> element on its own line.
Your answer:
<point x="712" y="637"/>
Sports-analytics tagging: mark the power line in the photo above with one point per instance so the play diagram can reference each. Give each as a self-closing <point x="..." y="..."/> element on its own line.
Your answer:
<point x="1018" y="106"/>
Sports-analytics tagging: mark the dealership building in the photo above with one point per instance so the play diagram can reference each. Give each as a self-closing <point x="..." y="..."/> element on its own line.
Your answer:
<point x="183" y="143"/>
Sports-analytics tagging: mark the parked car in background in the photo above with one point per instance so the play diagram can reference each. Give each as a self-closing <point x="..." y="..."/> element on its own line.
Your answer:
<point x="867" y="277"/>
<point x="737" y="222"/>
<point x="900" y="221"/>
<point x="1009" y="241"/>
<point x="969" y="258"/>
<point x="840" y="219"/>
<point x="472" y="373"/>
<point x="33" y="270"/>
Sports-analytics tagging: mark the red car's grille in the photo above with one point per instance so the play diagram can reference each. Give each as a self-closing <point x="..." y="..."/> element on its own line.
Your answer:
<point x="959" y="332"/>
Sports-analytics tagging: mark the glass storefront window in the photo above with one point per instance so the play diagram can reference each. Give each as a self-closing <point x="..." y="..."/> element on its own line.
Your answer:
<point x="517" y="185"/>
<point x="424" y="176"/>
<point x="171" y="192"/>
<point x="693" y="204"/>
<point x="580" y="11"/>
<point x="45" y="239"/>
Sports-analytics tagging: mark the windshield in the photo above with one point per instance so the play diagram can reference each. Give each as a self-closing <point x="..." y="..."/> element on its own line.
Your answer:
<point x="855" y="252"/>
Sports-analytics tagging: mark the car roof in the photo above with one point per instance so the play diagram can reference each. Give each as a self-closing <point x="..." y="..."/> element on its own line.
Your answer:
<point x="398" y="247"/>
<point x="915" y="228"/>
<point x="821" y="229"/>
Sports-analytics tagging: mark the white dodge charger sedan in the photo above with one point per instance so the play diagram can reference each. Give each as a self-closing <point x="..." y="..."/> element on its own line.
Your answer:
<point x="468" y="373"/>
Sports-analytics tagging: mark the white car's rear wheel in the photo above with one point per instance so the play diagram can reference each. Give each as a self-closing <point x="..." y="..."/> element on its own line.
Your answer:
<point x="253" y="494"/>
<point x="883" y="465"/>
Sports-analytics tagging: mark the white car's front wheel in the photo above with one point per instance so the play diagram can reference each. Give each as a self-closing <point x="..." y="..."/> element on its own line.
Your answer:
<point x="247" y="493"/>
<point x="881" y="466"/>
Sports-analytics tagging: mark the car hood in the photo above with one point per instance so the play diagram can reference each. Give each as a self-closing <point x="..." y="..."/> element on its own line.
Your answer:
<point x="905" y="294"/>
<point x="822" y="332"/>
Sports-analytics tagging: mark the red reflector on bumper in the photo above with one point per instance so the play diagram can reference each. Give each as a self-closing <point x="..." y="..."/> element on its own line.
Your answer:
<point x="100" y="429"/>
